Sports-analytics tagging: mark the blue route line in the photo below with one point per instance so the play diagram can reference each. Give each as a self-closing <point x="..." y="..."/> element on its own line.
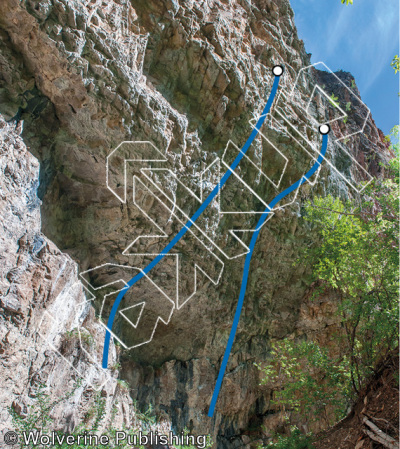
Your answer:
<point x="246" y="269"/>
<point x="189" y="224"/>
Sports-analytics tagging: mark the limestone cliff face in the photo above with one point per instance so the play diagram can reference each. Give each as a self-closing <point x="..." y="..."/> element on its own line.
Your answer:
<point x="188" y="77"/>
<point x="42" y="301"/>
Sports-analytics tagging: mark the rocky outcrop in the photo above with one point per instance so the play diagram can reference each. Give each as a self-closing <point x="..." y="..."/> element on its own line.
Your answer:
<point x="188" y="77"/>
<point x="42" y="302"/>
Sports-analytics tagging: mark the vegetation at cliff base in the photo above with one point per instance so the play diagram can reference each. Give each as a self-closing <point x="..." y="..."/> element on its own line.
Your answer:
<point x="354" y="255"/>
<point x="295" y="441"/>
<point x="38" y="421"/>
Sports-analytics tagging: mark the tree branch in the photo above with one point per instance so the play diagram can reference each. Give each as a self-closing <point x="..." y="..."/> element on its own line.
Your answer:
<point x="383" y="420"/>
<point x="388" y="217"/>
<point x="378" y="435"/>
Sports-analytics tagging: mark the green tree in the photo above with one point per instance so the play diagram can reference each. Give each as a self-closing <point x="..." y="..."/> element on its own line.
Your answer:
<point x="354" y="254"/>
<point x="305" y="379"/>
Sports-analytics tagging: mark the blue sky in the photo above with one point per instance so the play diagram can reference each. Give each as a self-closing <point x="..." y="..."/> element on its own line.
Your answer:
<point x="361" y="39"/>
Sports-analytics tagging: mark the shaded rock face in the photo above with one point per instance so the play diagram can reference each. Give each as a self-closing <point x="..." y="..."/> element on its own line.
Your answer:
<point x="188" y="77"/>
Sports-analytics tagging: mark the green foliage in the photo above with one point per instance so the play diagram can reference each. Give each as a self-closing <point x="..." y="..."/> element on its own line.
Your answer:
<point x="353" y="83"/>
<point x="73" y="335"/>
<point x="115" y="366"/>
<point x="86" y="338"/>
<point x="123" y="385"/>
<point x="348" y="109"/>
<point x="396" y="64"/>
<point x="394" y="139"/>
<point x="306" y="379"/>
<point x="147" y="418"/>
<point x="347" y="2"/>
<point x="356" y="254"/>
<point x="333" y="100"/>
<point x="296" y="440"/>
<point x="39" y="416"/>
<point x="99" y="412"/>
